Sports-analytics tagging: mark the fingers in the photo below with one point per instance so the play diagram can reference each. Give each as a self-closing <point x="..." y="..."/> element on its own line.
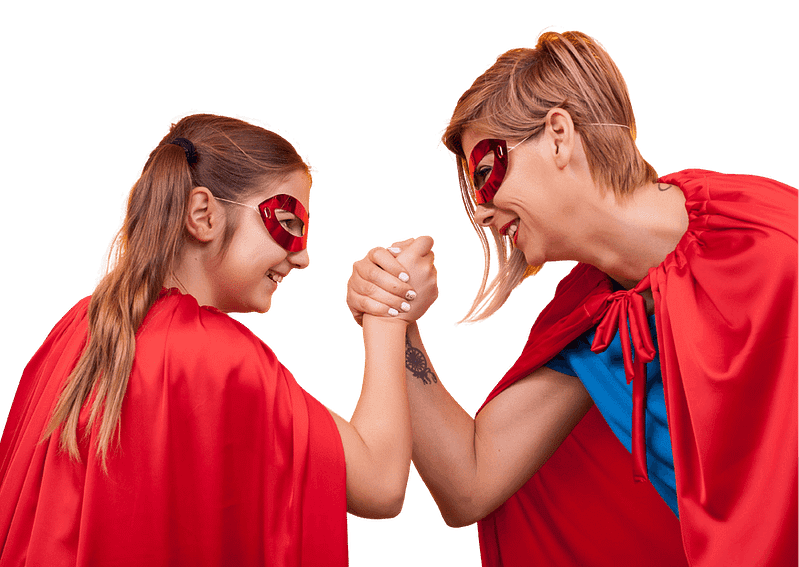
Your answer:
<point x="361" y="305"/>
<point x="383" y="270"/>
<point x="381" y="284"/>
<point x="398" y="247"/>
<point x="421" y="246"/>
<point x="419" y="258"/>
<point x="373" y="290"/>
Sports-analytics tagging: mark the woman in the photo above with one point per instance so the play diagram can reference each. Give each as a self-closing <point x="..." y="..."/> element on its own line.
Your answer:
<point x="153" y="429"/>
<point x="697" y="273"/>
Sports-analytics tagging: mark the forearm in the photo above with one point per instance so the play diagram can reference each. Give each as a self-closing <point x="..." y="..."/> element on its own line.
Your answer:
<point x="379" y="456"/>
<point x="444" y="450"/>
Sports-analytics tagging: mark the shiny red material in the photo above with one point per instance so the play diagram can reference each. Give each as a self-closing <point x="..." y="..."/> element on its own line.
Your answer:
<point x="291" y="239"/>
<point x="726" y="316"/>
<point x="484" y="190"/>
<point x="625" y="311"/>
<point x="223" y="458"/>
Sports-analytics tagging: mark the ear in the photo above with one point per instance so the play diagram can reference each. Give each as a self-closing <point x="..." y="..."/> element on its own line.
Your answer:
<point x="559" y="131"/>
<point x="204" y="218"/>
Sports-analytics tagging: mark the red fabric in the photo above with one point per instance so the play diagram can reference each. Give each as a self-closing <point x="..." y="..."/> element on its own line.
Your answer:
<point x="726" y="315"/>
<point x="625" y="312"/>
<point x="223" y="458"/>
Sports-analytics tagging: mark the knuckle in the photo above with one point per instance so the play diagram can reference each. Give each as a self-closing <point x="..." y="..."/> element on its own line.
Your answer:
<point x="359" y="267"/>
<point x="374" y="251"/>
<point x="369" y="288"/>
<point x="366" y="276"/>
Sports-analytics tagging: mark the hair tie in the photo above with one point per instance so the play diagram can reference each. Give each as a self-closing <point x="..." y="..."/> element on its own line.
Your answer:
<point x="188" y="147"/>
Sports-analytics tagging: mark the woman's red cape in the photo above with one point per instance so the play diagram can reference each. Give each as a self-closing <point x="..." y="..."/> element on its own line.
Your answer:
<point x="726" y="315"/>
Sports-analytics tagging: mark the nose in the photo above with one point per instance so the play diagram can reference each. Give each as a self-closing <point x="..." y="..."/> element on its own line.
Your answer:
<point x="484" y="214"/>
<point x="299" y="259"/>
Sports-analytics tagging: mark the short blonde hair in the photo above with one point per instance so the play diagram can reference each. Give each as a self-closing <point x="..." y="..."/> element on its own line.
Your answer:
<point x="511" y="101"/>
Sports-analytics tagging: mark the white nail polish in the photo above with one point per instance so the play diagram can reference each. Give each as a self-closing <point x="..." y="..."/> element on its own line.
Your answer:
<point x="405" y="307"/>
<point x="411" y="295"/>
<point x="404" y="277"/>
<point x="393" y="312"/>
<point x="394" y="250"/>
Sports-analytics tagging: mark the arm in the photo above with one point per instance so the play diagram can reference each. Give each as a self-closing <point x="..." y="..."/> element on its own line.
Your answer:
<point x="377" y="439"/>
<point x="471" y="466"/>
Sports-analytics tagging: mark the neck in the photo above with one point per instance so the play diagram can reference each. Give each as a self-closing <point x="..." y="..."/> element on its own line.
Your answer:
<point x="189" y="274"/>
<point x="629" y="235"/>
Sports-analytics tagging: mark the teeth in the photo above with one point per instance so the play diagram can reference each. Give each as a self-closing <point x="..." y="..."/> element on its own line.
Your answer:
<point x="512" y="230"/>
<point x="277" y="278"/>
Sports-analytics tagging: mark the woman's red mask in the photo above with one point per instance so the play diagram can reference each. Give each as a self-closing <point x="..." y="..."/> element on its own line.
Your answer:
<point x="486" y="175"/>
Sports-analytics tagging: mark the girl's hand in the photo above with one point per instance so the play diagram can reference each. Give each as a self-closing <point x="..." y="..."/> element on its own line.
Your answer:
<point x="386" y="286"/>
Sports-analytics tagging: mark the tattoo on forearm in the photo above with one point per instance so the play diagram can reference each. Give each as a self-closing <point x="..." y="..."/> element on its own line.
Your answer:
<point x="416" y="362"/>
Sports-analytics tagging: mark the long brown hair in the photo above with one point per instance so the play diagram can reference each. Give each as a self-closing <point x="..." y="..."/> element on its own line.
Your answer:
<point x="511" y="101"/>
<point x="232" y="159"/>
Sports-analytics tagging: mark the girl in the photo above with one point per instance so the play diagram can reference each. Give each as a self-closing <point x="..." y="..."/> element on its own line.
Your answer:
<point x="153" y="429"/>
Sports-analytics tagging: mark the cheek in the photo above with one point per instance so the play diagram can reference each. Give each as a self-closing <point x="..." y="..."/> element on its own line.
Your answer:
<point x="252" y="254"/>
<point x="511" y="198"/>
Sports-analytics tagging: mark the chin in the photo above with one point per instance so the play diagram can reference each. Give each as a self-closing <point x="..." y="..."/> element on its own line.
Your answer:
<point x="263" y="311"/>
<point x="257" y="306"/>
<point x="533" y="260"/>
<point x="264" y="305"/>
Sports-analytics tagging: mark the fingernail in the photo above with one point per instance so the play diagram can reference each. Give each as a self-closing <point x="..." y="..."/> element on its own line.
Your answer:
<point x="394" y="250"/>
<point x="405" y="307"/>
<point x="404" y="277"/>
<point x="411" y="295"/>
<point x="393" y="312"/>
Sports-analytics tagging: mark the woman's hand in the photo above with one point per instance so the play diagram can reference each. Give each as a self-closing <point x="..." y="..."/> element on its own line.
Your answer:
<point x="403" y="287"/>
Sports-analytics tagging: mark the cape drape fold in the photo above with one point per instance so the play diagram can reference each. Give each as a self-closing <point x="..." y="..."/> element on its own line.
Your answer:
<point x="223" y="459"/>
<point x="726" y="316"/>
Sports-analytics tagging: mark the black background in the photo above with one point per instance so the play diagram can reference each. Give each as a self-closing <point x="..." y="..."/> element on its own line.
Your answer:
<point x="367" y="112"/>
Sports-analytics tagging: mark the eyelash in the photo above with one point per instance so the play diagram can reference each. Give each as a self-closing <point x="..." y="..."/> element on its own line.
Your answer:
<point x="482" y="173"/>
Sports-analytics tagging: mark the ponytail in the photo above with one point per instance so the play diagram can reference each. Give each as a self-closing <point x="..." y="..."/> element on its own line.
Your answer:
<point x="229" y="157"/>
<point x="233" y="158"/>
<point x="145" y="250"/>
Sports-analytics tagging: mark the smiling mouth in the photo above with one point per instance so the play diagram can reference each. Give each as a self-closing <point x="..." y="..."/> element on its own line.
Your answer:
<point x="511" y="230"/>
<point x="277" y="278"/>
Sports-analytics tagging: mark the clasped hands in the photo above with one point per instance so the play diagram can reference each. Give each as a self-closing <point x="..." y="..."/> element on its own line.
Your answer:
<point x="399" y="281"/>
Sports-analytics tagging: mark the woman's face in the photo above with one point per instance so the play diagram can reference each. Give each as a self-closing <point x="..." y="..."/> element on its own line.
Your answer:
<point x="249" y="270"/>
<point x="531" y="206"/>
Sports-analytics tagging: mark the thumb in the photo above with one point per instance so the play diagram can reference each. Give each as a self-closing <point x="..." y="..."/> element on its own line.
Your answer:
<point x="398" y="247"/>
<point x="421" y="246"/>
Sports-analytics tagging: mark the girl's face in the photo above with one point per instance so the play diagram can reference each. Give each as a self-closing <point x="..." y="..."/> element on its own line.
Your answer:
<point x="247" y="273"/>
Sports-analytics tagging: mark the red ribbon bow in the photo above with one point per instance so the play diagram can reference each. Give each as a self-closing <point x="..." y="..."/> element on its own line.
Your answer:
<point x="625" y="311"/>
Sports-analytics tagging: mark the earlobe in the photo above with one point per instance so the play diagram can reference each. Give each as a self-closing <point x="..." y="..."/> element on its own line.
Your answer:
<point x="202" y="214"/>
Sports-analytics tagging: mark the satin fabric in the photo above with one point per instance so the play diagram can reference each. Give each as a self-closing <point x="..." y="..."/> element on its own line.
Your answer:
<point x="223" y="459"/>
<point x="604" y="379"/>
<point x="726" y="313"/>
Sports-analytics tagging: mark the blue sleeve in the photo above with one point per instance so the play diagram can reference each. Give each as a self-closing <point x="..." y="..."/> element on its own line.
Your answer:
<point x="604" y="378"/>
<point x="560" y="362"/>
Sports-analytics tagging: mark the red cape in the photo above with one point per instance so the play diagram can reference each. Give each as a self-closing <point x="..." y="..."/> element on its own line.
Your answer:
<point x="726" y="315"/>
<point x="223" y="458"/>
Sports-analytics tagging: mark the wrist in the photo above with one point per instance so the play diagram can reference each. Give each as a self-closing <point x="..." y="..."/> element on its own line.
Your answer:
<point x="385" y="322"/>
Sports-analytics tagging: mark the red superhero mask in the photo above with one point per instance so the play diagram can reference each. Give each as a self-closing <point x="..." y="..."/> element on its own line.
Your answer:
<point x="285" y="219"/>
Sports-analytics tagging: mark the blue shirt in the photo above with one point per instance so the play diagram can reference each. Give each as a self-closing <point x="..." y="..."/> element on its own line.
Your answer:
<point x="603" y="376"/>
